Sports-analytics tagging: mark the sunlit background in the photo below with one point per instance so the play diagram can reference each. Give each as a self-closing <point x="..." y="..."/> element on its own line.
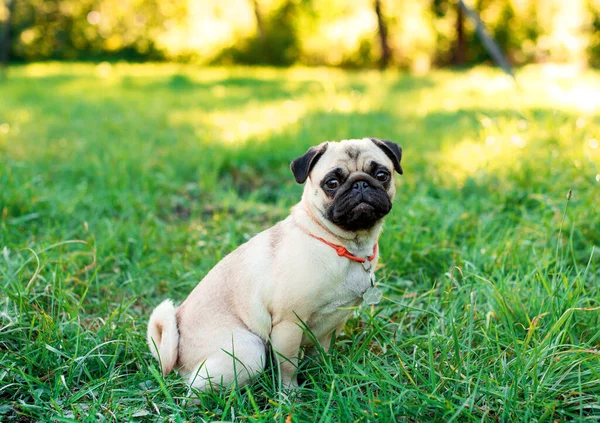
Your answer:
<point x="418" y="34"/>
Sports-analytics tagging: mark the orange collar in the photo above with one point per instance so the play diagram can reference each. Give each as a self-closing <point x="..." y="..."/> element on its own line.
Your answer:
<point x="343" y="252"/>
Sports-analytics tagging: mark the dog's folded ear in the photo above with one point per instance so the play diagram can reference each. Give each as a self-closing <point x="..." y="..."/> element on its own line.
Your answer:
<point x="302" y="166"/>
<point x="392" y="150"/>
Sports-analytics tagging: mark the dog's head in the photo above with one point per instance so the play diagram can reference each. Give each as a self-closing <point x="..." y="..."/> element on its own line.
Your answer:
<point x="350" y="182"/>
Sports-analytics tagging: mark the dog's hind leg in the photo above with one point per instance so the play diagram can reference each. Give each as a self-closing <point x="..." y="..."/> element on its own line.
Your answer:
<point x="234" y="362"/>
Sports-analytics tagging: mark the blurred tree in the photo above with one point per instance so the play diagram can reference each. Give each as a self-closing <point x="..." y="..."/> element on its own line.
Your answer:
<point x="505" y="33"/>
<point x="278" y="44"/>
<point x="259" y="24"/>
<point x="361" y="33"/>
<point x="460" y="53"/>
<point x="92" y="29"/>
<point x="443" y="27"/>
<point x="386" y="51"/>
<point x="492" y="47"/>
<point x="5" y="36"/>
<point x="341" y="33"/>
<point x="593" y="49"/>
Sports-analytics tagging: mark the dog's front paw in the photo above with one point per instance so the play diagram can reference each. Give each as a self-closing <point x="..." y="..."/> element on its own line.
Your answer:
<point x="291" y="385"/>
<point x="289" y="382"/>
<point x="289" y="395"/>
<point x="289" y="390"/>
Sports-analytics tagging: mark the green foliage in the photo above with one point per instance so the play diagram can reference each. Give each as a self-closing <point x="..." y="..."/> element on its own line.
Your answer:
<point x="594" y="45"/>
<point x="278" y="45"/>
<point x="90" y="29"/>
<point x="123" y="185"/>
<point x="334" y="33"/>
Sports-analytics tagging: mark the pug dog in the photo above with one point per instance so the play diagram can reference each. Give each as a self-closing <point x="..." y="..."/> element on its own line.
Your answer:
<point x="308" y="270"/>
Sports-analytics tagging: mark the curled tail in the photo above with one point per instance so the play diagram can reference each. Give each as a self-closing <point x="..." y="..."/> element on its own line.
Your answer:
<point x="163" y="335"/>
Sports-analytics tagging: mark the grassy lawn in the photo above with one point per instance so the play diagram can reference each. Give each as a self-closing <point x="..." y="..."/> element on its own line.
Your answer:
<point x="121" y="186"/>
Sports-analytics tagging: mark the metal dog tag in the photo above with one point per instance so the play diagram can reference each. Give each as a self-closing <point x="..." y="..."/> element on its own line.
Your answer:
<point x="366" y="265"/>
<point x="372" y="296"/>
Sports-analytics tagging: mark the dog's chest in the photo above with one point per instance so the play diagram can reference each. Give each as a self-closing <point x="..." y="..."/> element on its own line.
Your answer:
<point x="352" y="288"/>
<point x="337" y="300"/>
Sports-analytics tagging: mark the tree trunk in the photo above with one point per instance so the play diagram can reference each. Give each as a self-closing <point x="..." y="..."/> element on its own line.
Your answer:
<point x="386" y="52"/>
<point x="488" y="41"/>
<point x="259" y="23"/>
<point x="460" y="53"/>
<point x="5" y="44"/>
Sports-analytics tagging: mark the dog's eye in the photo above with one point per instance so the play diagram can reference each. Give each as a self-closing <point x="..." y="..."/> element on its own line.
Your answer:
<point x="382" y="176"/>
<point x="332" y="183"/>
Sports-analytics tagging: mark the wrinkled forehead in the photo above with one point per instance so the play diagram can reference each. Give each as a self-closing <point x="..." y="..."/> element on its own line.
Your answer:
<point x="352" y="156"/>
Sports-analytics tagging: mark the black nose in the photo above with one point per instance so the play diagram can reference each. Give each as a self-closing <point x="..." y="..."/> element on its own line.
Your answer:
<point x="360" y="186"/>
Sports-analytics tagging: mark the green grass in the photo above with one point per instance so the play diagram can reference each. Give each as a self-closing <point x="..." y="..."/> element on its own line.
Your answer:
<point x="121" y="186"/>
